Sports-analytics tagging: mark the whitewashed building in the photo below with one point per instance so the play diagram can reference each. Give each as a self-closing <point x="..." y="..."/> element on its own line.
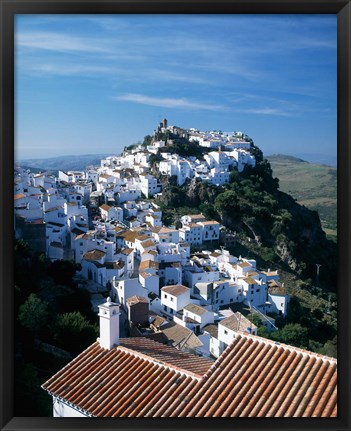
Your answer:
<point x="174" y="298"/>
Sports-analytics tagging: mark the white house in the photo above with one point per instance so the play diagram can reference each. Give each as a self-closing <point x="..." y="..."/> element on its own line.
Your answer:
<point x="174" y="298"/>
<point x="191" y="233"/>
<point x="96" y="267"/>
<point x="210" y="230"/>
<point x="192" y="218"/>
<point x="230" y="327"/>
<point x="200" y="275"/>
<point x="218" y="177"/>
<point x="198" y="314"/>
<point x="278" y="298"/>
<point x="149" y="185"/>
<point x="54" y="250"/>
<point x="171" y="273"/>
<point x="111" y="212"/>
<point x="166" y="234"/>
<point x="125" y="288"/>
<point x="90" y="241"/>
<point x="151" y="282"/>
<point x="255" y="291"/>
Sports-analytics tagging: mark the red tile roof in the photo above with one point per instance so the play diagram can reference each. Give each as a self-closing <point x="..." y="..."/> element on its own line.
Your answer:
<point x="237" y="322"/>
<point x="254" y="377"/>
<point x="258" y="378"/>
<point x="93" y="255"/>
<point x="19" y="196"/>
<point x="175" y="289"/>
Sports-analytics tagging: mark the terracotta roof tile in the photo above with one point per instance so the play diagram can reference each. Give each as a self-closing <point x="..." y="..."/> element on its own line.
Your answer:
<point x="105" y="207"/>
<point x="196" y="309"/>
<point x="19" y="196"/>
<point x="94" y="255"/>
<point x="175" y="290"/>
<point x="254" y="377"/>
<point x="237" y="322"/>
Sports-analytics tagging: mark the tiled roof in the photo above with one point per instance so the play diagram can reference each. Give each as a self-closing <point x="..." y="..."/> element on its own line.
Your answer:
<point x="119" y="264"/>
<point x="129" y="235"/>
<point x="212" y="330"/>
<point x="277" y="290"/>
<point x="19" y="196"/>
<point x="253" y="377"/>
<point x="152" y="252"/>
<point x="105" y="207"/>
<point x="142" y="237"/>
<point x="148" y="243"/>
<point x="186" y="362"/>
<point x="127" y="251"/>
<point x="196" y="309"/>
<point x="94" y="255"/>
<point x="215" y="254"/>
<point x="175" y="290"/>
<point x="159" y="321"/>
<point x="197" y="217"/>
<point x="237" y="322"/>
<point x="249" y="280"/>
<point x="258" y="378"/>
<point x="136" y="300"/>
<point x="243" y="265"/>
<point x="145" y="264"/>
<point x="166" y="230"/>
<point x="179" y="335"/>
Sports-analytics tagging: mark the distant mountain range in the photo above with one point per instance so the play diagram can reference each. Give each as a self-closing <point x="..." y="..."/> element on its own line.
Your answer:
<point x="63" y="163"/>
<point x="79" y="163"/>
<point x="315" y="158"/>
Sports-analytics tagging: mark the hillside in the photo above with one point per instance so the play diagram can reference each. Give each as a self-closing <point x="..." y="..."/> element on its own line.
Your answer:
<point x="64" y="163"/>
<point x="312" y="185"/>
<point x="271" y="227"/>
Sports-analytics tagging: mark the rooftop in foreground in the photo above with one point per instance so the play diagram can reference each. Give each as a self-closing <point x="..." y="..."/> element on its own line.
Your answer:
<point x="254" y="377"/>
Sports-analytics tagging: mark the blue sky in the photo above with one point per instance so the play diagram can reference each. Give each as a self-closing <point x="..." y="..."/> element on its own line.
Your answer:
<point x="96" y="83"/>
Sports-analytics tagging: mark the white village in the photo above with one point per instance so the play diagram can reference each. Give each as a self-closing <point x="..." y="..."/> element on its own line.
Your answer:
<point x="172" y="286"/>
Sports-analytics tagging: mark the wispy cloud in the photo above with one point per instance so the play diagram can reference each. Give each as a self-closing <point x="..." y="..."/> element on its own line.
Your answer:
<point x="268" y="111"/>
<point x="167" y="102"/>
<point x="60" y="42"/>
<point x="68" y="69"/>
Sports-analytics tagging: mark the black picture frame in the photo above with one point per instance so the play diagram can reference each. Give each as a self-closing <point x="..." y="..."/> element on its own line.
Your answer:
<point x="8" y="10"/>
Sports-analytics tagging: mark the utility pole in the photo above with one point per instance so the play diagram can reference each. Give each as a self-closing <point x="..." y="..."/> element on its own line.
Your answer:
<point x="318" y="265"/>
<point x="328" y="309"/>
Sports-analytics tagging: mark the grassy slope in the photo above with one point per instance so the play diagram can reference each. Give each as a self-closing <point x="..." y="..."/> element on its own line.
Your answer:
<point x="314" y="186"/>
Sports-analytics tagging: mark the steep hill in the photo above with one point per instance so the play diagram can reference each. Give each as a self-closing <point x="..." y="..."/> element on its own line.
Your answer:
<point x="267" y="222"/>
<point x="312" y="185"/>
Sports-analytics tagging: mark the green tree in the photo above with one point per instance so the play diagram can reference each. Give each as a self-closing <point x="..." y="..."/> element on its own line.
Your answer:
<point x="62" y="271"/>
<point x="262" y="331"/>
<point x="227" y="202"/>
<point x="254" y="318"/>
<point x="147" y="140"/>
<point x="33" y="314"/>
<point x="31" y="400"/>
<point x="73" y="332"/>
<point x="330" y="348"/>
<point x="293" y="334"/>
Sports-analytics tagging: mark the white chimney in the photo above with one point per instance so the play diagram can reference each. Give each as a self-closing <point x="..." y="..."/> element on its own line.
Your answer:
<point x="109" y="324"/>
